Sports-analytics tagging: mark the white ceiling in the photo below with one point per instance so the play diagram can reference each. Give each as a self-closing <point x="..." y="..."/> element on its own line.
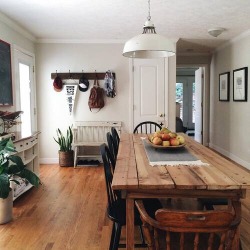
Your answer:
<point x="119" y="20"/>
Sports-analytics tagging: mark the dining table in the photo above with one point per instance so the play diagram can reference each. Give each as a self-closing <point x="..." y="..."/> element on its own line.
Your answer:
<point x="202" y="173"/>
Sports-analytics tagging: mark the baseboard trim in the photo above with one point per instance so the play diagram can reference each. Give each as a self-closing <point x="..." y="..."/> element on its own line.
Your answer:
<point x="230" y="155"/>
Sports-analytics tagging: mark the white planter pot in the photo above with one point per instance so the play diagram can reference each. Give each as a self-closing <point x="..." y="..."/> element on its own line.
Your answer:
<point x="6" y="206"/>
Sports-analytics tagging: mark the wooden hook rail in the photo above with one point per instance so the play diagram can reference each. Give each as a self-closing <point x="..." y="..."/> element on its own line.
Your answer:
<point x="72" y="75"/>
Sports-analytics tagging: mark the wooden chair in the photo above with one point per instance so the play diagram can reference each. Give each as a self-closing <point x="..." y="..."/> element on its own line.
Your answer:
<point x="147" y="127"/>
<point x="199" y="230"/>
<point x="116" y="209"/>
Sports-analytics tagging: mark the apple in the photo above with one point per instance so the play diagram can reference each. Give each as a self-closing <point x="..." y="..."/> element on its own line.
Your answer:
<point x="151" y="137"/>
<point x="165" y="130"/>
<point x="157" y="134"/>
<point x="181" y="139"/>
<point x="157" y="141"/>
<point x="172" y="135"/>
<point x="166" y="143"/>
<point x="174" y="142"/>
<point x="165" y="137"/>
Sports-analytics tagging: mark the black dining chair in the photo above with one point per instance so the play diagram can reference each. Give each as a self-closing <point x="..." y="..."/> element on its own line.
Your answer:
<point x="147" y="127"/>
<point x="116" y="209"/>
<point x="209" y="203"/>
<point x="112" y="148"/>
<point x="116" y="139"/>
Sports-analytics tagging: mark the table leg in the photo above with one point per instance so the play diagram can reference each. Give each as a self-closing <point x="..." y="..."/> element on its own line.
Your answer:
<point x="130" y="223"/>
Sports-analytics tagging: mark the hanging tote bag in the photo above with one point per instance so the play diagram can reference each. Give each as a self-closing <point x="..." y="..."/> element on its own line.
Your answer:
<point x="96" y="97"/>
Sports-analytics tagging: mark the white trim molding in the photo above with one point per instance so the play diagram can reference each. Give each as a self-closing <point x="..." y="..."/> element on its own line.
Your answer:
<point x="17" y="27"/>
<point x="230" y="155"/>
<point x="92" y="41"/>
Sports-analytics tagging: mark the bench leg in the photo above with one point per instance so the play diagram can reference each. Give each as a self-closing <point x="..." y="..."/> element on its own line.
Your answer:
<point x="75" y="156"/>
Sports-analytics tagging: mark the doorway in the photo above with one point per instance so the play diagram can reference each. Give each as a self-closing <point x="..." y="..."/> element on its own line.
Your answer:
<point x="25" y="91"/>
<point x="189" y="94"/>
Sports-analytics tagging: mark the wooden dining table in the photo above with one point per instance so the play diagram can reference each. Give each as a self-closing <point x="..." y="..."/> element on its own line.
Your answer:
<point x="218" y="177"/>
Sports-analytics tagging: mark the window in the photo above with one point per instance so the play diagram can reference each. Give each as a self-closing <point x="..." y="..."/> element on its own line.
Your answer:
<point x="179" y="98"/>
<point x="25" y="92"/>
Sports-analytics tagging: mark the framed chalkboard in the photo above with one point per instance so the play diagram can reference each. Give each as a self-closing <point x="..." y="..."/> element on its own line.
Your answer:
<point x="6" y="98"/>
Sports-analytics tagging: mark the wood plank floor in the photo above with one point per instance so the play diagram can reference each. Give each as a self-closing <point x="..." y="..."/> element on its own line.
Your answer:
<point x="66" y="212"/>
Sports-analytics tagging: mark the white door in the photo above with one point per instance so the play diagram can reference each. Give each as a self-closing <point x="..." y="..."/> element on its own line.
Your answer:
<point x="25" y="91"/>
<point x="198" y="104"/>
<point x="149" y="91"/>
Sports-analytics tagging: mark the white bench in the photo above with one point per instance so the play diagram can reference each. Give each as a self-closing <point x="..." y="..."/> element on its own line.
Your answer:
<point x="91" y="134"/>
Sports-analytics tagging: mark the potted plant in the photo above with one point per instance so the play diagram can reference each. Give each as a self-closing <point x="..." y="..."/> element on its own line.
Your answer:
<point x="11" y="166"/>
<point x="66" y="154"/>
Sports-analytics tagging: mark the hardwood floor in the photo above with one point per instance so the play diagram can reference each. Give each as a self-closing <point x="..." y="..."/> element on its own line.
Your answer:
<point x="66" y="212"/>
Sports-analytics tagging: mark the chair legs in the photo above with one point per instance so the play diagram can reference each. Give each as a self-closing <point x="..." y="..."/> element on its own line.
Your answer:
<point x="116" y="234"/>
<point x="112" y="237"/>
<point x="142" y="235"/>
<point x="115" y="237"/>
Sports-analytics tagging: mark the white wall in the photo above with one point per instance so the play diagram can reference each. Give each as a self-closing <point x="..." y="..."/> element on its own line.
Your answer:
<point x="52" y="107"/>
<point x="229" y="124"/>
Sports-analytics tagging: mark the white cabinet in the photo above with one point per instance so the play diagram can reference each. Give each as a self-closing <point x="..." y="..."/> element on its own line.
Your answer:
<point x="28" y="149"/>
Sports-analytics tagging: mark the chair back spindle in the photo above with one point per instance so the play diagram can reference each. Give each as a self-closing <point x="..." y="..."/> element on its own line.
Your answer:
<point x="147" y="127"/>
<point x="192" y="230"/>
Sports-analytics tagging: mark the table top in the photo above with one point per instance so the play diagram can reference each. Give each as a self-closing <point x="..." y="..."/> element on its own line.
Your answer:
<point x="133" y="171"/>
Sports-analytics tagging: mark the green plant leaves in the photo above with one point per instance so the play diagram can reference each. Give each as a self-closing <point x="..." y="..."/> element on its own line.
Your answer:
<point x="4" y="186"/>
<point x="11" y="166"/>
<point x="64" y="142"/>
<point x="30" y="177"/>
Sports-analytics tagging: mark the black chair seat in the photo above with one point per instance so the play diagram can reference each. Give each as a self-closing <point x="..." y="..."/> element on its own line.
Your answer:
<point x="209" y="203"/>
<point x="117" y="212"/>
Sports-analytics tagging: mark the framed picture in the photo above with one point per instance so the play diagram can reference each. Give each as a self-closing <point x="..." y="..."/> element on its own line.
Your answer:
<point x="224" y="89"/>
<point x="6" y="98"/>
<point x="240" y="84"/>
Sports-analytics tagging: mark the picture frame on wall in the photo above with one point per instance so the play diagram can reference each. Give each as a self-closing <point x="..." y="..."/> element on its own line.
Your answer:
<point x="240" y="82"/>
<point x="6" y="97"/>
<point x="224" y="86"/>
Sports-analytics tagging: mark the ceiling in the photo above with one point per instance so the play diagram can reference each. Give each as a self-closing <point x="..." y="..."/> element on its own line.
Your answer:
<point x="118" y="20"/>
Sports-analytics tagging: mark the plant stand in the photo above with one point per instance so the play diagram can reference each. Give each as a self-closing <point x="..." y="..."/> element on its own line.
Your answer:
<point x="66" y="159"/>
<point x="6" y="206"/>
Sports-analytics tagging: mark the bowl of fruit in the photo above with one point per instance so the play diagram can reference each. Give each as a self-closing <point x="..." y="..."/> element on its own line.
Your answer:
<point x="166" y="139"/>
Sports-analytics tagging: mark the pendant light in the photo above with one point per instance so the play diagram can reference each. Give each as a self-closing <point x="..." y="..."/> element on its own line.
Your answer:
<point x="148" y="44"/>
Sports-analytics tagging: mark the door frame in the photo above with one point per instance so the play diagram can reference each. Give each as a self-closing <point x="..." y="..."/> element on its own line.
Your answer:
<point x="131" y="93"/>
<point x="16" y="60"/>
<point x="205" y="98"/>
<point x="186" y="80"/>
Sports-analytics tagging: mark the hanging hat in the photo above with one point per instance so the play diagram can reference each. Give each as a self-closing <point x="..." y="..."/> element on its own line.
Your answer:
<point x="58" y="83"/>
<point x="83" y="84"/>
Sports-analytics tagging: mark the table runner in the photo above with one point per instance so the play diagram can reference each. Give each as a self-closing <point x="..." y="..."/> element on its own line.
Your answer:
<point x="171" y="157"/>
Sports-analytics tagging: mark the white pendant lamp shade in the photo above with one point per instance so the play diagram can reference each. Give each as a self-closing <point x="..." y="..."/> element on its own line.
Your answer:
<point x="148" y="46"/>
